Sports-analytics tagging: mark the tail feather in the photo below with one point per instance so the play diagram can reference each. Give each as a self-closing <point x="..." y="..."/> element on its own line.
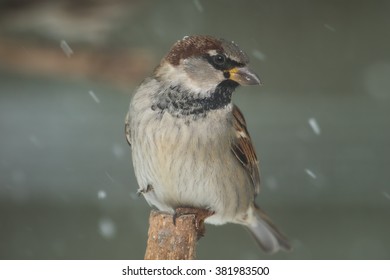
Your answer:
<point x="266" y="234"/>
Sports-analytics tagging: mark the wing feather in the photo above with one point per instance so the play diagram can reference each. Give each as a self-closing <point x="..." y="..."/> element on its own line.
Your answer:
<point x="243" y="149"/>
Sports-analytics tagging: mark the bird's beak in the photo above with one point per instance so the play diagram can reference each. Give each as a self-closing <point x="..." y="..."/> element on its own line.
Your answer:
<point x="244" y="76"/>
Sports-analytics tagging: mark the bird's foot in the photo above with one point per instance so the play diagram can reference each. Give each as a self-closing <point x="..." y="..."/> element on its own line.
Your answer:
<point x="200" y="216"/>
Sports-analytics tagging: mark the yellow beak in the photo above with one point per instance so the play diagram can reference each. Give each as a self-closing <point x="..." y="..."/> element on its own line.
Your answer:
<point x="244" y="76"/>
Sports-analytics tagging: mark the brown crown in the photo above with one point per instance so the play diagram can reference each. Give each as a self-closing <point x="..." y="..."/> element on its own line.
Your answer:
<point x="195" y="45"/>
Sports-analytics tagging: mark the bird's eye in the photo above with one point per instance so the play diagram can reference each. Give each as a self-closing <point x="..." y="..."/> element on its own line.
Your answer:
<point x="219" y="59"/>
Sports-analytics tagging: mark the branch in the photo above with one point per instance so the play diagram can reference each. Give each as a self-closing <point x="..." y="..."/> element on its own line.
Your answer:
<point x="169" y="241"/>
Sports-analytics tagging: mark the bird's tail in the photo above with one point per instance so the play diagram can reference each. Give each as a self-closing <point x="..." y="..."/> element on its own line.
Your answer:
<point x="265" y="232"/>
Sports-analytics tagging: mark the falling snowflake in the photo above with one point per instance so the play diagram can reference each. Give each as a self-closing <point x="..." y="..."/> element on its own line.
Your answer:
<point x="314" y="125"/>
<point x="65" y="48"/>
<point x="311" y="173"/>
<point x="94" y="97"/>
<point x="101" y="194"/>
<point x="107" y="228"/>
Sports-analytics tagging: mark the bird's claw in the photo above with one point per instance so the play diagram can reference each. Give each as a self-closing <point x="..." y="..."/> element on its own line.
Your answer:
<point x="200" y="216"/>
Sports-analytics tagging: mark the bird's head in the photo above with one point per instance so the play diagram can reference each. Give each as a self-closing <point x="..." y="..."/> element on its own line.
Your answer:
<point x="200" y="64"/>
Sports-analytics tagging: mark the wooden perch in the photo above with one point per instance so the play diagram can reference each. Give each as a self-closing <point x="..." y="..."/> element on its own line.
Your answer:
<point x="175" y="241"/>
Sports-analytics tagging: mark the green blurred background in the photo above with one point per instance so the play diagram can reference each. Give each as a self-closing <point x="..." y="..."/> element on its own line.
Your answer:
<point x="320" y="123"/>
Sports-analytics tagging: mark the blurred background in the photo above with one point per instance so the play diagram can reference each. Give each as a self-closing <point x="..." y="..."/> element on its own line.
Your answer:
<point x="320" y="123"/>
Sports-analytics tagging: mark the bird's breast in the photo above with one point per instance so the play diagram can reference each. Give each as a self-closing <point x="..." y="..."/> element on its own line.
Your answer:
<point x="189" y="163"/>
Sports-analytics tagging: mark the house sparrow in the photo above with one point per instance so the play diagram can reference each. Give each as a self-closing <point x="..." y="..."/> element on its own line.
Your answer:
<point x="190" y="144"/>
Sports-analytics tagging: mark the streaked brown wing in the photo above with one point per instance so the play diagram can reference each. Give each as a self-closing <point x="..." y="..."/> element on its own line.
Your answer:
<point x="127" y="129"/>
<point x="243" y="149"/>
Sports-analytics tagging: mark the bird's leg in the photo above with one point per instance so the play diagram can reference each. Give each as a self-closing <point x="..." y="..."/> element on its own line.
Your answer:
<point x="200" y="216"/>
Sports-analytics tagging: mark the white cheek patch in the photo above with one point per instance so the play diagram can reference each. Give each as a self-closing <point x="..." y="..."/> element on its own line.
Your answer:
<point x="201" y="76"/>
<point x="195" y="75"/>
<point x="173" y="75"/>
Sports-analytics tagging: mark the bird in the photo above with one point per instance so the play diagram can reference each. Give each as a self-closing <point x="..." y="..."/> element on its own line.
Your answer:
<point x="190" y="144"/>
